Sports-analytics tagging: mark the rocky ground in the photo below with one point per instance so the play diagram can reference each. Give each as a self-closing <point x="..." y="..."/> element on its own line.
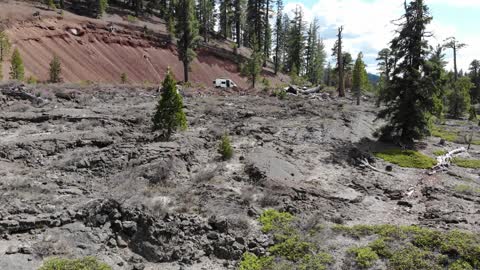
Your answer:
<point x="82" y="174"/>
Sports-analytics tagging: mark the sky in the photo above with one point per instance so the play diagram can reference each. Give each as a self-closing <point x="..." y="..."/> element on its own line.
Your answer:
<point x="368" y="28"/>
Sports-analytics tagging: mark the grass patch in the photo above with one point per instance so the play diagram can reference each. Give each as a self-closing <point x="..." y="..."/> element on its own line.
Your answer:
<point x="451" y="136"/>
<point x="407" y="158"/>
<point x="466" y="189"/>
<point x="87" y="263"/>
<point x="467" y="163"/>
<point x="440" y="152"/>
<point x="252" y="262"/>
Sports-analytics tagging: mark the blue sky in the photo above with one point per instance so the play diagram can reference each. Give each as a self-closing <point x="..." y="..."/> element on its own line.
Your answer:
<point x="368" y="27"/>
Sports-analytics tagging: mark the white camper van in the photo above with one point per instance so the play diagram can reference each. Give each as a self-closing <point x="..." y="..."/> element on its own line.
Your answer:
<point x="223" y="83"/>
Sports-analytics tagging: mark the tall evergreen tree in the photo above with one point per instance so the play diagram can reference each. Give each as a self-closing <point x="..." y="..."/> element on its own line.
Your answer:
<point x="337" y="52"/>
<point x="475" y="76"/>
<point x="187" y="33"/>
<point x="169" y="115"/>
<point x="55" y="70"/>
<point x="17" y="71"/>
<point x="318" y="64"/>
<point x="410" y="97"/>
<point x="452" y="43"/>
<point x="254" y="64"/>
<point x="226" y="18"/>
<point x="459" y="97"/>
<point x="267" y="33"/>
<point x="296" y="43"/>
<point x="5" y="45"/>
<point x="239" y="20"/>
<point x="279" y="37"/>
<point x="311" y="47"/>
<point x="206" y="17"/>
<point x="328" y="72"/>
<point x="360" y="78"/>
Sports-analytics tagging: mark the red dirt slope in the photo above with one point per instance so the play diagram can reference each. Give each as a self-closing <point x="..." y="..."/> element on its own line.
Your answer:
<point x="89" y="51"/>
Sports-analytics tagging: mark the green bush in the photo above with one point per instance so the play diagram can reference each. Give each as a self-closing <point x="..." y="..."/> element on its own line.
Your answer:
<point x="280" y="94"/>
<point x="252" y="262"/>
<point x="412" y="257"/>
<point x="292" y="248"/>
<point x="123" y="78"/>
<point x="132" y="19"/>
<point x="315" y="262"/>
<point x="364" y="256"/>
<point x="273" y="220"/>
<point x="381" y="248"/>
<point x="32" y="80"/>
<point x="87" y="263"/>
<point x="225" y="148"/>
<point x="407" y="158"/>
<point x="460" y="265"/>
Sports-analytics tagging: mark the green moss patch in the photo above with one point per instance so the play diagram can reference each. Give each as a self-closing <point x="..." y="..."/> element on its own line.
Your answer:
<point x="451" y="136"/>
<point x="466" y="189"/>
<point x="87" y="263"/>
<point x="407" y="158"/>
<point x="439" y="152"/>
<point x="467" y="163"/>
<point x="365" y="257"/>
<point x="274" y="220"/>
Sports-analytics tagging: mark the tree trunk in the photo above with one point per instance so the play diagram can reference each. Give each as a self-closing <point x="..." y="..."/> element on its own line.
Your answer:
<point x="341" y="75"/>
<point x="253" y="81"/>
<point x="358" y="96"/>
<point x="455" y="61"/>
<point x="185" y="70"/>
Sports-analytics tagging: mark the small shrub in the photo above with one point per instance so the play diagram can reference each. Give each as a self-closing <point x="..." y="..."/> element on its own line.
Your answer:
<point x="225" y="148"/>
<point x="316" y="262"/>
<point x="364" y="256"/>
<point x="272" y="220"/>
<point x="87" y="263"/>
<point x="32" y="80"/>
<point x="381" y="248"/>
<point x="467" y="163"/>
<point x="292" y="248"/>
<point x="280" y="94"/>
<point x="55" y="70"/>
<point x="407" y="158"/>
<point x="132" y="19"/>
<point x="460" y="265"/>
<point x="412" y="257"/>
<point x="123" y="78"/>
<point x="252" y="262"/>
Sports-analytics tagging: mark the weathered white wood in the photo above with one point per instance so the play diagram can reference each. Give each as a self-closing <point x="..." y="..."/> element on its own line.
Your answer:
<point x="444" y="161"/>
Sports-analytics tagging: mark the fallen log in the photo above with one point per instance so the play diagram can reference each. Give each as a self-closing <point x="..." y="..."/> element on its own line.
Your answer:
<point x="443" y="162"/>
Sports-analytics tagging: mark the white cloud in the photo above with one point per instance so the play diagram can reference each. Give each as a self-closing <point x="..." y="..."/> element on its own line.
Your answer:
<point x="368" y="26"/>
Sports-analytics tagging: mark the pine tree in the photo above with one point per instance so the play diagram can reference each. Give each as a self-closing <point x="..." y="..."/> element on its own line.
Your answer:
<point x="51" y="4"/>
<point x="459" y="97"/>
<point x="102" y="7"/>
<point x="206" y="17"/>
<point x="254" y="65"/>
<point x="55" y="70"/>
<point x="409" y="96"/>
<point x="226" y="18"/>
<point x="314" y="55"/>
<point x="1" y="70"/>
<point x="187" y="33"/>
<point x="255" y="32"/>
<point x="267" y="34"/>
<point x="123" y="78"/>
<point x="296" y="43"/>
<point x="17" y="71"/>
<point x="169" y="115"/>
<point x="475" y="77"/>
<point x="435" y="72"/>
<point x="337" y="52"/>
<point x="239" y="20"/>
<point x="279" y="37"/>
<point x="359" y="77"/>
<point x="5" y="45"/>
<point x="452" y="43"/>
